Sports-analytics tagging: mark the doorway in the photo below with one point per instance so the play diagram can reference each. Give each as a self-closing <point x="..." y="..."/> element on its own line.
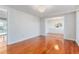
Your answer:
<point x="55" y="25"/>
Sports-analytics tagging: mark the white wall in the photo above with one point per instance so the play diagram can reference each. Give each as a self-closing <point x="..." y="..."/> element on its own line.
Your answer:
<point x="70" y="26"/>
<point x="21" y="25"/>
<point x="77" y="27"/>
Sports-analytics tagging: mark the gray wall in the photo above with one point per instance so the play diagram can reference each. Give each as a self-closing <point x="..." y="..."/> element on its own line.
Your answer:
<point x="22" y="26"/>
<point x="77" y="27"/>
<point x="70" y="26"/>
<point x="42" y="26"/>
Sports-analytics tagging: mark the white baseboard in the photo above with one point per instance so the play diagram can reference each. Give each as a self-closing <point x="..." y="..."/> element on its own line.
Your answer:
<point x="73" y="39"/>
<point x="69" y="39"/>
<point x="26" y="38"/>
<point x="43" y="34"/>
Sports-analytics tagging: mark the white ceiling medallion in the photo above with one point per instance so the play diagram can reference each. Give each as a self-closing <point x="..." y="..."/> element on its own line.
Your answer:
<point x="41" y="8"/>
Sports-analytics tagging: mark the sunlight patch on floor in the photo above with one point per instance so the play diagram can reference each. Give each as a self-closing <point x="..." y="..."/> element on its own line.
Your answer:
<point x="56" y="47"/>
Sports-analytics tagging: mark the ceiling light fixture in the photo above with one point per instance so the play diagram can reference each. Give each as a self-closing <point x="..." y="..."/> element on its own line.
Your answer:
<point x="41" y="8"/>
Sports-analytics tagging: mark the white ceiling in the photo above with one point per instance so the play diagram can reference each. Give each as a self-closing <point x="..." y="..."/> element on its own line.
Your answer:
<point x="53" y="11"/>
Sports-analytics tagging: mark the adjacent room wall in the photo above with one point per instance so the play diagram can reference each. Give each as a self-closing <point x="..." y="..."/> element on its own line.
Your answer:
<point x="51" y="25"/>
<point x="70" y="26"/>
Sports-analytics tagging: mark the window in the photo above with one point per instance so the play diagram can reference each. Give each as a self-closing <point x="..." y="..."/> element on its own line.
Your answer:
<point x="3" y="27"/>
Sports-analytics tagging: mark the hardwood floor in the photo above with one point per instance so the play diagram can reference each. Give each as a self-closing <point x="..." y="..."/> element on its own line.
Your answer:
<point x="50" y="44"/>
<point x="3" y="45"/>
